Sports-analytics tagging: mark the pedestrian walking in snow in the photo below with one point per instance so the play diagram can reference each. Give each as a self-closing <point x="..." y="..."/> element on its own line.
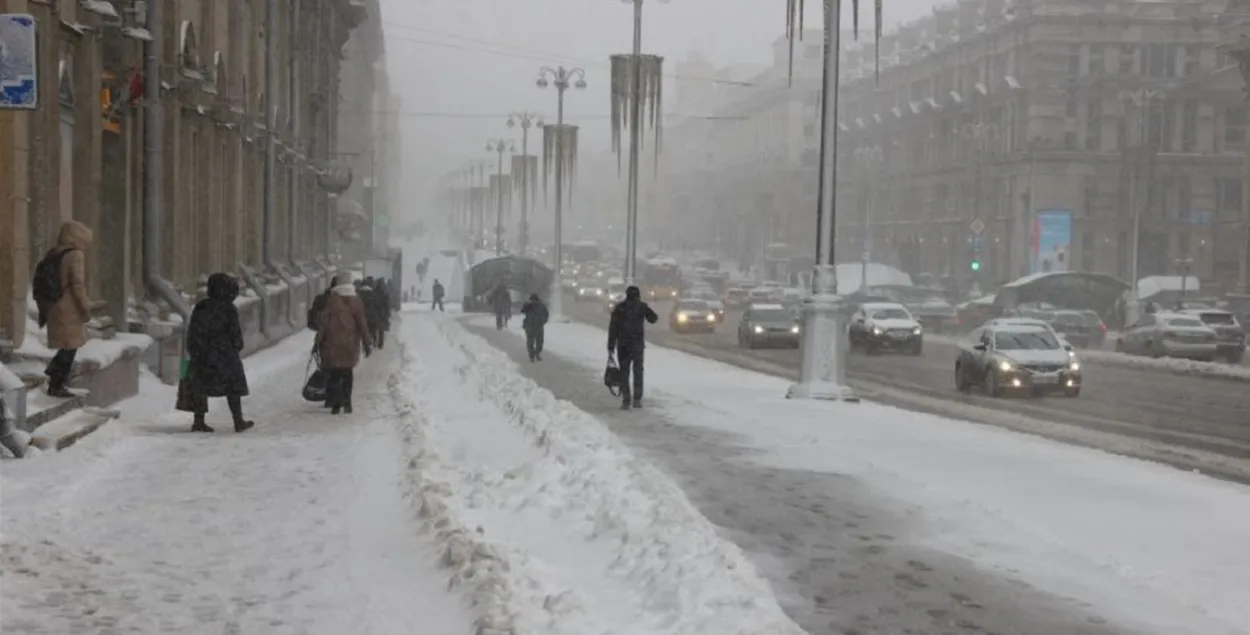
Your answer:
<point x="60" y="292"/>
<point x="438" y="296"/>
<point x="318" y="305"/>
<point x="214" y="349"/>
<point x="501" y="302"/>
<point x="535" y="323"/>
<point x="627" y="340"/>
<point x="344" y="333"/>
<point x="369" y="297"/>
<point x="382" y="311"/>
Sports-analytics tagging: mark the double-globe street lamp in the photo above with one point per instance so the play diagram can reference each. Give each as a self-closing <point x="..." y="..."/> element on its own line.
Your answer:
<point x="561" y="78"/>
<point x="525" y="120"/>
<point x="499" y="146"/>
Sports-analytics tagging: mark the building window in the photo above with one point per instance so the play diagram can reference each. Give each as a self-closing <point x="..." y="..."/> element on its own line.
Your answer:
<point x="1096" y="64"/>
<point x="1160" y="60"/>
<point x="1093" y="126"/>
<point x="1184" y="197"/>
<point x="1088" y="257"/>
<point x="1074" y="61"/>
<point x="1090" y="194"/>
<point x="1128" y="58"/>
<point x="1071" y="111"/>
<point x="1234" y="127"/>
<point x="1190" y="64"/>
<point x="1228" y="195"/>
<point x="1189" y="126"/>
<point x="1182" y="244"/>
<point x="1069" y="141"/>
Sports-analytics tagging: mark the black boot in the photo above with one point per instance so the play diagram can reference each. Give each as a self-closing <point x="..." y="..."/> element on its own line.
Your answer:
<point x="56" y="388"/>
<point x="243" y="425"/>
<point x="637" y="402"/>
<point x="199" y="426"/>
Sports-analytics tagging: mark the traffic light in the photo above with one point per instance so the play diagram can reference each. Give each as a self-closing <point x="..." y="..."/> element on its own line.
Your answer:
<point x="976" y="264"/>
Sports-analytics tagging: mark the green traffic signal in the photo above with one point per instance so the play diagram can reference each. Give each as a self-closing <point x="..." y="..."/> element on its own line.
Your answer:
<point x="976" y="265"/>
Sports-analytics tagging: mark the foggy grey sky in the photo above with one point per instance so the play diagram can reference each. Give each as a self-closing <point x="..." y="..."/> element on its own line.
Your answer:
<point x="481" y="57"/>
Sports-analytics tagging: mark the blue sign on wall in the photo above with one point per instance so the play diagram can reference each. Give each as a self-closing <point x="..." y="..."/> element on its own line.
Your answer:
<point x="1052" y="241"/>
<point x="19" y="62"/>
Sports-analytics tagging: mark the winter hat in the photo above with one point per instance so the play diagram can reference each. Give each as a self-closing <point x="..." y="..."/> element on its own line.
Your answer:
<point x="633" y="292"/>
<point x="533" y="297"/>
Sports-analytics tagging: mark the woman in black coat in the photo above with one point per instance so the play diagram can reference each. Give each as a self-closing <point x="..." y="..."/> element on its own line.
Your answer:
<point x="214" y="344"/>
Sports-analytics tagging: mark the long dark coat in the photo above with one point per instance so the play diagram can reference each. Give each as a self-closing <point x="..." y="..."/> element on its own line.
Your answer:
<point x="344" y="329"/>
<point x="215" y="341"/>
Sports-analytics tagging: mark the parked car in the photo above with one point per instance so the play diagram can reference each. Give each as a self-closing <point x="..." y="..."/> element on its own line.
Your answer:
<point x="768" y="325"/>
<point x="1169" y="335"/>
<point x="1230" y="339"/>
<point x="1025" y="358"/>
<point x="690" y="316"/>
<point x="885" y="326"/>
<point x="736" y="297"/>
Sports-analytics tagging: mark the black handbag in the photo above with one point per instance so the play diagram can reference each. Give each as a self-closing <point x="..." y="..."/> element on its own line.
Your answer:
<point x="613" y="378"/>
<point x="315" y="382"/>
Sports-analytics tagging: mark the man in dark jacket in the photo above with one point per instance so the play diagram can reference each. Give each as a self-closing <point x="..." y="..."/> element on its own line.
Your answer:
<point x="438" y="296"/>
<point x="534" y="323"/>
<point x="501" y="302"/>
<point x="382" y="297"/>
<point x="214" y="344"/>
<point x="627" y="339"/>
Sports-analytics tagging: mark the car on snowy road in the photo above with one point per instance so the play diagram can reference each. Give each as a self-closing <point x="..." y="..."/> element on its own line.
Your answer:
<point x="1017" y="358"/>
<point x="1169" y="335"/>
<point x="768" y="325"/>
<point x="1230" y="338"/>
<point x="692" y="316"/>
<point x="591" y="291"/>
<point x="885" y="326"/>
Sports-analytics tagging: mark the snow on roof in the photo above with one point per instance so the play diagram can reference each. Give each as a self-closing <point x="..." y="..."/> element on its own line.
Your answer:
<point x="767" y="307"/>
<point x="882" y="305"/>
<point x="1153" y="285"/>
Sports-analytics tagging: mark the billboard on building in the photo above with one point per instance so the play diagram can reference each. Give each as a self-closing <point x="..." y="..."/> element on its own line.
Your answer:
<point x="1052" y="240"/>
<point x="18" y="62"/>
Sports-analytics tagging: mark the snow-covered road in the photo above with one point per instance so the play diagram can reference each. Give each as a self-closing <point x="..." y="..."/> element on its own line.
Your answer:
<point x="299" y="526"/>
<point x="871" y="519"/>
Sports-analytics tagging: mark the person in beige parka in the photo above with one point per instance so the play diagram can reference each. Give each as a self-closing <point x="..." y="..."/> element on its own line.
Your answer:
<point x="67" y="317"/>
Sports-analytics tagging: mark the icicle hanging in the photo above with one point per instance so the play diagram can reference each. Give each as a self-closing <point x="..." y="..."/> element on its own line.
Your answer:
<point x="650" y="99"/>
<point x="568" y="161"/>
<point x="794" y="30"/>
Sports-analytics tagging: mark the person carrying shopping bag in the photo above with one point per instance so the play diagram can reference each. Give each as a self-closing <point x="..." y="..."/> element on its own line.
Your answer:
<point x="343" y="335"/>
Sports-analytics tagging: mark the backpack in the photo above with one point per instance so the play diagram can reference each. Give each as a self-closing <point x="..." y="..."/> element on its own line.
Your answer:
<point x="46" y="287"/>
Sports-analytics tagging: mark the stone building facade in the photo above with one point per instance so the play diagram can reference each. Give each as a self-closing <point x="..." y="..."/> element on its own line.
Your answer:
<point x="989" y="115"/>
<point x="80" y="154"/>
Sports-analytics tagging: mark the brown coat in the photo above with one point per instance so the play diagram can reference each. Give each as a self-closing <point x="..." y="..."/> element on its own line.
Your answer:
<point x="343" y="329"/>
<point x="68" y="317"/>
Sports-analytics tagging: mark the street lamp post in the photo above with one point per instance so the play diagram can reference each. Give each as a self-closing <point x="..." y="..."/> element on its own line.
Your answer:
<point x="870" y="157"/>
<point x="1141" y="98"/>
<point x="822" y="374"/>
<point x="526" y="120"/>
<point x="562" y="78"/>
<point x="635" y="140"/>
<point x="499" y="146"/>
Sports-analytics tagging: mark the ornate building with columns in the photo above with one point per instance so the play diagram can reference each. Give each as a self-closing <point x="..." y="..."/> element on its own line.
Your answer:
<point x="80" y="154"/>
<point x="986" y="119"/>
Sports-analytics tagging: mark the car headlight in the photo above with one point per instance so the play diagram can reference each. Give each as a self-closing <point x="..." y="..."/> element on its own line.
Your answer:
<point x="1074" y="366"/>
<point x="1071" y="354"/>
<point x="915" y="331"/>
<point x="794" y="329"/>
<point x="877" y="331"/>
<point x="758" y="329"/>
<point x="711" y="317"/>
<point x="682" y="317"/>
<point x="674" y="294"/>
<point x="598" y="291"/>
<point x="1004" y="366"/>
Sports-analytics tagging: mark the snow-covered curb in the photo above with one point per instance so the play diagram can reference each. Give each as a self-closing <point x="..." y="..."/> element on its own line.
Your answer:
<point x="1165" y="364"/>
<point x="666" y="549"/>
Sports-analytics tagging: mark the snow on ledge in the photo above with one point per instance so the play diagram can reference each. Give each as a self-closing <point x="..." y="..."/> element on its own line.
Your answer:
<point x="706" y="582"/>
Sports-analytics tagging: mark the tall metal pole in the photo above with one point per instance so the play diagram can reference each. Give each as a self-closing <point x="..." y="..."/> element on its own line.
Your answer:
<point x="562" y="77"/>
<point x="635" y="137"/>
<point x="822" y="374"/>
<point x="523" y="244"/>
<point x="153" y="137"/>
<point x="499" y="205"/>
<point x="557" y="291"/>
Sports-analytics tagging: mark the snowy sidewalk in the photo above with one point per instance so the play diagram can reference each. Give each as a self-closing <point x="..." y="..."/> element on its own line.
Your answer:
<point x="297" y="526"/>
<point x="872" y="518"/>
<point x="556" y="528"/>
